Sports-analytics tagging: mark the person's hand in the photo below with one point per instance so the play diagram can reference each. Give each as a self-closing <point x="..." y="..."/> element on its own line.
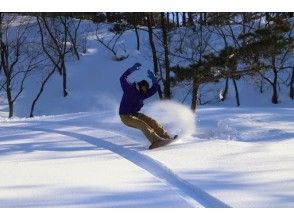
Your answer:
<point x="135" y="67"/>
<point x="152" y="76"/>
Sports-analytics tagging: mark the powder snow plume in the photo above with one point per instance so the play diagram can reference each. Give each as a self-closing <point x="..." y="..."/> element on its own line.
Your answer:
<point x="175" y="117"/>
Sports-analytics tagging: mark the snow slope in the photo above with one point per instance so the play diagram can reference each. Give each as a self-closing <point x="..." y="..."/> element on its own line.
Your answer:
<point x="91" y="160"/>
<point x="80" y="154"/>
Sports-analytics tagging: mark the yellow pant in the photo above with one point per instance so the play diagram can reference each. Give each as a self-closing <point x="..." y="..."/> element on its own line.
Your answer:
<point x="151" y="128"/>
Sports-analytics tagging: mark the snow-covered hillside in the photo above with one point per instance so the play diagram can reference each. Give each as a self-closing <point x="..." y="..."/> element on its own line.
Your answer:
<point x="236" y="158"/>
<point x="93" y="81"/>
<point x="77" y="153"/>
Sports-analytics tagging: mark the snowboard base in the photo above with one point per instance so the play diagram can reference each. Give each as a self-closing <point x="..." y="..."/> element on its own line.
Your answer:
<point x="162" y="143"/>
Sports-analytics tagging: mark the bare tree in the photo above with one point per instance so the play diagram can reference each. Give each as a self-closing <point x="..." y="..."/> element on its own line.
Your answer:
<point x="18" y="56"/>
<point x="153" y="50"/>
<point x="54" y="40"/>
<point x="174" y="22"/>
<point x="72" y="27"/>
<point x="178" y="20"/>
<point x="190" y="19"/>
<point x="137" y="36"/>
<point x="134" y="19"/>
<point x="167" y="81"/>
<point x="67" y="38"/>
<point x="41" y="90"/>
<point x="112" y="43"/>
<point x="184" y="19"/>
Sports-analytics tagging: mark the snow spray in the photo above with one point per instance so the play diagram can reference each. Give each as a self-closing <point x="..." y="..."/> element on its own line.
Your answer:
<point x="105" y="102"/>
<point x="175" y="117"/>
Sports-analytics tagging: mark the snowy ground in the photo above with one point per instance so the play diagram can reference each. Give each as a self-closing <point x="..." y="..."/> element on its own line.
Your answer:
<point x="236" y="158"/>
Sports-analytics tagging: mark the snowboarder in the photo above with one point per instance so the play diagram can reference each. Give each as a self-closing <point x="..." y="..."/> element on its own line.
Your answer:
<point x="132" y="102"/>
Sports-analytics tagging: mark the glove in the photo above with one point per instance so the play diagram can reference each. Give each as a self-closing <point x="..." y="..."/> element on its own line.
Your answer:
<point x="152" y="76"/>
<point x="135" y="67"/>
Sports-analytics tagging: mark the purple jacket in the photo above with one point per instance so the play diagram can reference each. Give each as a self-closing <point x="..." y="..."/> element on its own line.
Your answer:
<point x="132" y="100"/>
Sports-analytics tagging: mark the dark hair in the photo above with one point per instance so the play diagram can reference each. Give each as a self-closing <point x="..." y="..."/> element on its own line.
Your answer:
<point x="143" y="83"/>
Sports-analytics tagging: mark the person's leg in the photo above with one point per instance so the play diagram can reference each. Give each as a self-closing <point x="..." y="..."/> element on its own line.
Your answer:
<point x="158" y="128"/>
<point x="135" y="122"/>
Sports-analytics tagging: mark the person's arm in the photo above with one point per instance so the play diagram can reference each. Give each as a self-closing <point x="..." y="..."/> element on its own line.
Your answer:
<point x="125" y="84"/>
<point x="154" y="87"/>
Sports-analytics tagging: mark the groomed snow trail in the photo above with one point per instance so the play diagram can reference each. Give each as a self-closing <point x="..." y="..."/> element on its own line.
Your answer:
<point x="191" y="193"/>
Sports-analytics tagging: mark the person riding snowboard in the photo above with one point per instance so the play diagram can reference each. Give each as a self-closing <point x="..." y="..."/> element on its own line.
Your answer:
<point x="132" y="102"/>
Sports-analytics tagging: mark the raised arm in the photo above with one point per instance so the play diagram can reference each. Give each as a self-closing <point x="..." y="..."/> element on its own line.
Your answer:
<point x="154" y="88"/>
<point x="125" y="84"/>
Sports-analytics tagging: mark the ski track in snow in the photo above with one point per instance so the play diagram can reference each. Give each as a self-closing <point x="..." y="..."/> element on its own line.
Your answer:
<point x="191" y="193"/>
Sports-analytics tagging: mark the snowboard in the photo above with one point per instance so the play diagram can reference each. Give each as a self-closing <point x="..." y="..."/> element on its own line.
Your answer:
<point x="163" y="143"/>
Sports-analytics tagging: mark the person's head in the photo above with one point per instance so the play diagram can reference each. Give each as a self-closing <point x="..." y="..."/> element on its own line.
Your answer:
<point x="143" y="86"/>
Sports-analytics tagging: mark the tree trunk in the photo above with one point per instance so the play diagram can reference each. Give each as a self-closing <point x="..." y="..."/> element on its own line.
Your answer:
<point x="225" y="92"/>
<point x="194" y="95"/>
<point x="152" y="45"/>
<point x="173" y="19"/>
<point x="236" y="93"/>
<point x="73" y="38"/>
<point x="167" y="20"/>
<point x="190" y="19"/>
<point x="9" y="96"/>
<point x="107" y="16"/>
<point x="204" y="18"/>
<point x="275" y="91"/>
<point x="178" y="20"/>
<point x="9" y="99"/>
<point x="275" y="95"/>
<point x="261" y="86"/>
<point x="64" y="79"/>
<point x="60" y="51"/>
<point x="138" y="37"/>
<point x="40" y="92"/>
<point x="167" y="91"/>
<point x="153" y="49"/>
<point x="292" y="85"/>
<point x="184" y="19"/>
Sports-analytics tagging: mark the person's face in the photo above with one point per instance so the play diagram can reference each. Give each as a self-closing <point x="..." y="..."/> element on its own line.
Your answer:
<point x="144" y="89"/>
